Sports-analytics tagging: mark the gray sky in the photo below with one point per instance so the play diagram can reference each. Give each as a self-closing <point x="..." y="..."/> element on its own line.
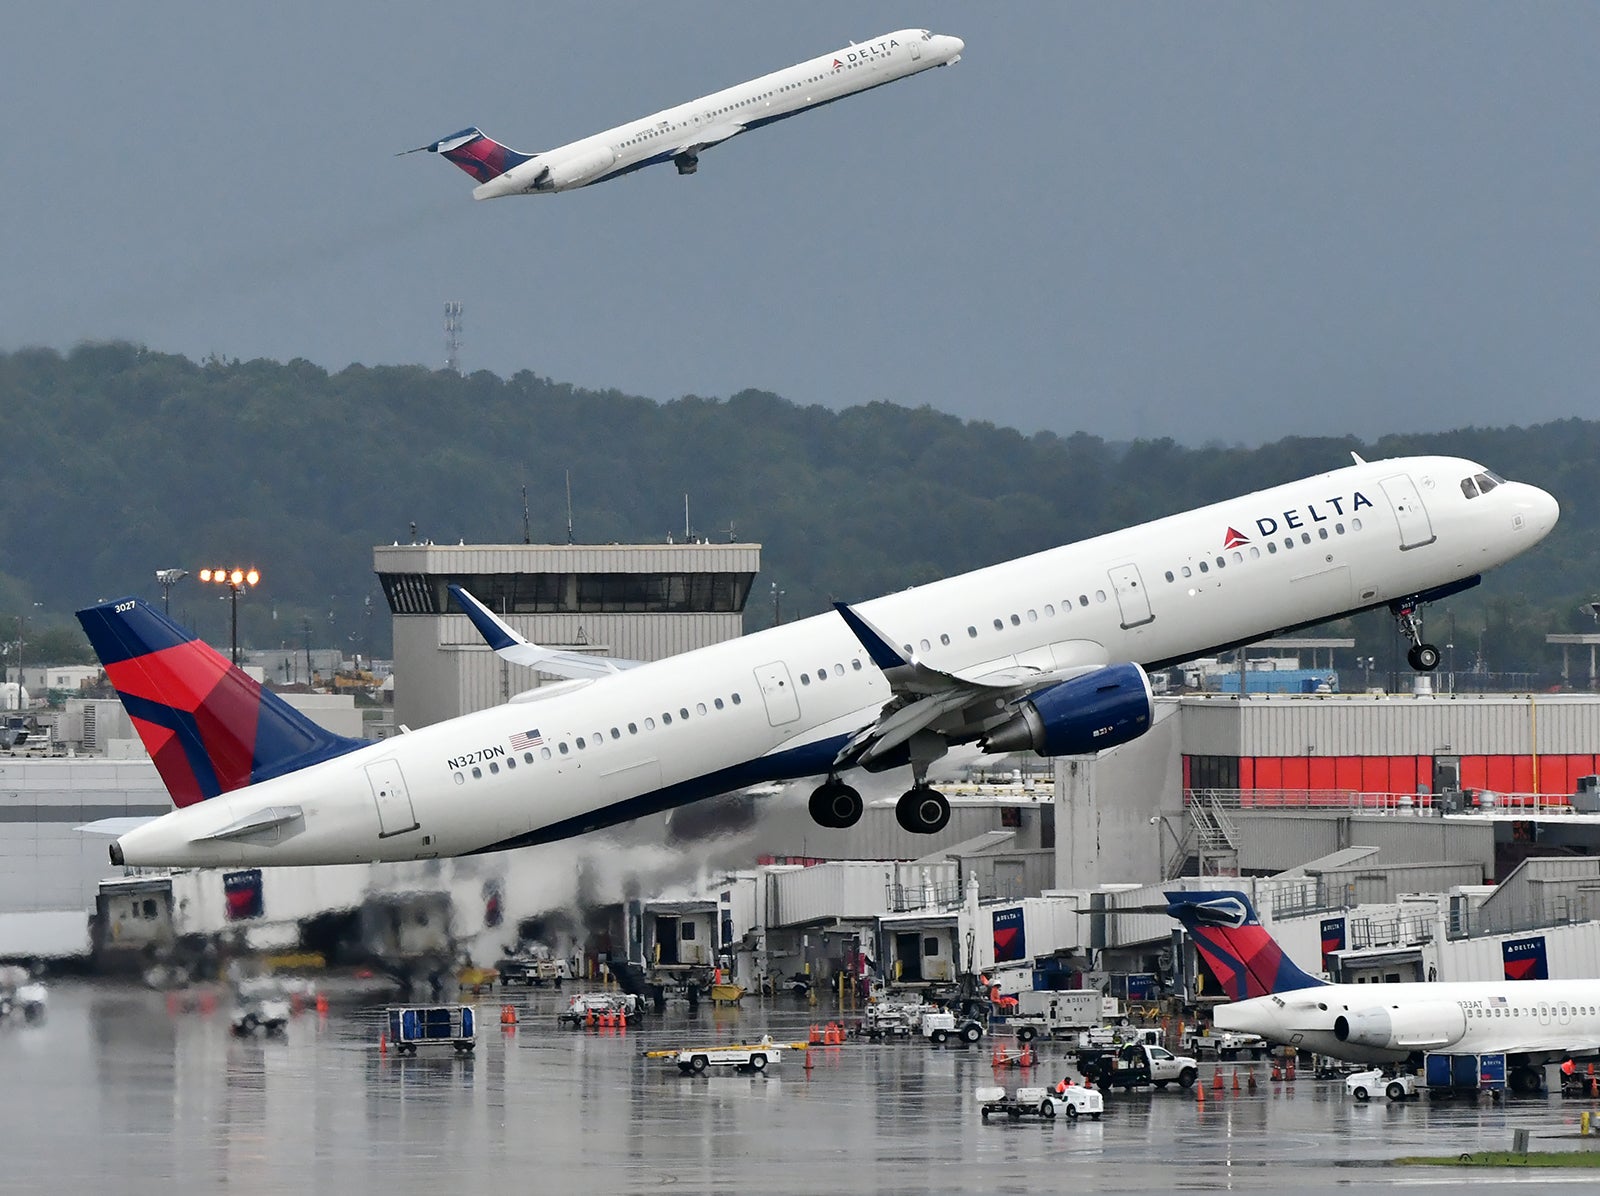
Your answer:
<point x="1208" y="221"/>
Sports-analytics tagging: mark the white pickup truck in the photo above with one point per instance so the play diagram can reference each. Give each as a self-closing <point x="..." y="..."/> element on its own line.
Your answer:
<point x="1136" y="1065"/>
<point x="744" y="1057"/>
<point x="1227" y="1044"/>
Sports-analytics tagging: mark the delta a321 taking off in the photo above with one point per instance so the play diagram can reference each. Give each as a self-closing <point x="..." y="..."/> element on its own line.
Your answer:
<point x="1531" y="1022"/>
<point x="680" y="134"/>
<point x="1045" y="653"/>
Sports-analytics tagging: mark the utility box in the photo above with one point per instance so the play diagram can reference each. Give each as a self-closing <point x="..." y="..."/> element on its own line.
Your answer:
<point x="1587" y="798"/>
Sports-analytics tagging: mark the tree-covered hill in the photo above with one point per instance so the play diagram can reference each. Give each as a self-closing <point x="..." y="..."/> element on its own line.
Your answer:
<point x="119" y="461"/>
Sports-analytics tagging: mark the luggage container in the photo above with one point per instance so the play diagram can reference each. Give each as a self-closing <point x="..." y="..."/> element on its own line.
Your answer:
<point x="411" y="1026"/>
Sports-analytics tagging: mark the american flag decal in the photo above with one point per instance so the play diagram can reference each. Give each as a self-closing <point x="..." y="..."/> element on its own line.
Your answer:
<point x="523" y="740"/>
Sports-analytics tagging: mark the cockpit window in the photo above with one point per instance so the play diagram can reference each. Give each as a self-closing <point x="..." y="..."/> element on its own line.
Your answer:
<point x="926" y="36"/>
<point x="1469" y="488"/>
<point x="1486" y="482"/>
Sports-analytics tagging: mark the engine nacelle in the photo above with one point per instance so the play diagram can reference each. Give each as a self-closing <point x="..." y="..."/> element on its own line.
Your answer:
<point x="579" y="169"/>
<point x="1087" y="714"/>
<point x="1426" y="1026"/>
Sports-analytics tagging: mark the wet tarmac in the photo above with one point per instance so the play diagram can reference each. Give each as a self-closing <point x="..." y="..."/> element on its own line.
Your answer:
<point x="114" y="1093"/>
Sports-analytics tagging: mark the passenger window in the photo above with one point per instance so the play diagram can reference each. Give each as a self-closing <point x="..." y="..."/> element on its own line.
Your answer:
<point x="494" y="768"/>
<point x="699" y="707"/>
<point x="562" y="747"/>
<point x="666" y="719"/>
<point x="1255" y="553"/>
<point x="1222" y="562"/>
<point x="544" y="753"/>
<point x="1099" y="595"/>
<point x="616" y="733"/>
<point x="1339" y="527"/>
<point x="1238" y="557"/>
<point x="649" y="724"/>
<point x="1050" y="610"/>
<point x="805" y="678"/>
<point x="1169" y="576"/>
<point x="822" y="674"/>
<point x="1083" y="600"/>
<point x="1187" y="572"/>
<point x="735" y="699"/>
<point x="972" y="633"/>
<point x="580" y="743"/>
<point x="511" y="761"/>
<point x="926" y="645"/>
<point x="856" y="664"/>
<point x="1272" y="547"/>
<point x="461" y="779"/>
<point x="943" y="639"/>
<point x="1305" y="537"/>
<point x="999" y="625"/>
<point x="633" y="728"/>
<point x="1355" y="525"/>
<point x="527" y="757"/>
<point x="717" y="702"/>
<point x="1033" y="616"/>
<point x="1016" y="621"/>
<point x="477" y="773"/>
<point x="1322" y="533"/>
<point x="1205" y="568"/>
<point x="838" y="669"/>
<point x="1288" y="541"/>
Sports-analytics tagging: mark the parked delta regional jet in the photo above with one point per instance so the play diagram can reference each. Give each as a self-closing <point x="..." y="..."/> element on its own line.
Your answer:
<point x="1531" y="1022"/>
<point x="1046" y="652"/>
<point x="679" y="134"/>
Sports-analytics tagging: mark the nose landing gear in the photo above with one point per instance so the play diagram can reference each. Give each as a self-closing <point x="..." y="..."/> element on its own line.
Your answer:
<point x="1424" y="658"/>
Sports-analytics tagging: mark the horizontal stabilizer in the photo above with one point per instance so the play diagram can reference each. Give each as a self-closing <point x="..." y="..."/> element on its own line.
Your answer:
<point x="509" y="645"/>
<point x="114" y="827"/>
<point x="250" y="824"/>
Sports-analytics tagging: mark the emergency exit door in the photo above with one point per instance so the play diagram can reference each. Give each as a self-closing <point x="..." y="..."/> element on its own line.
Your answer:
<point x="777" y="691"/>
<point x="1131" y="597"/>
<point x="395" y="815"/>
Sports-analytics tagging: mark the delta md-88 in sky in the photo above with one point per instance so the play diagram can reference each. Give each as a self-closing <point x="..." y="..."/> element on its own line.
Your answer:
<point x="1045" y="653"/>
<point x="678" y="135"/>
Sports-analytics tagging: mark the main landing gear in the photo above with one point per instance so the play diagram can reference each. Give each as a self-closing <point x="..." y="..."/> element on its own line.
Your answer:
<point x="923" y="810"/>
<point x="834" y="804"/>
<point x="1424" y="658"/>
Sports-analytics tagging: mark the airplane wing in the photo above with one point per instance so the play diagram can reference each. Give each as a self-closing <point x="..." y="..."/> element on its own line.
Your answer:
<point x="706" y="138"/>
<point x="926" y="698"/>
<point x="508" y="645"/>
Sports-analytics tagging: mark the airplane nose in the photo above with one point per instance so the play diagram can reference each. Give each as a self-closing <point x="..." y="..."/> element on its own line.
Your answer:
<point x="956" y="48"/>
<point x="1541" y="507"/>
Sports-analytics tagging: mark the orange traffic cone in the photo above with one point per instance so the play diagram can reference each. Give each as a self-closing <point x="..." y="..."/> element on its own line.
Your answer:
<point x="622" y="1019"/>
<point x="383" y="1042"/>
<point x="1289" y="1075"/>
<point x="1250" y="1080"/>
<point x="816" y="1035"/>
<point x="1027" y="1056"/>
<point x="1216" y="1079"/>
<point x="1277" y="1072"/>
<point x="1200" y="1094"/>
<point x="808" y="1061"/>
<point x="999" y="1056"/>
<point x="1236" y="1079"/>
<point x="508" y="1015"/>
<point x="589" y="1019"/>
<point x="322" y="1004"/>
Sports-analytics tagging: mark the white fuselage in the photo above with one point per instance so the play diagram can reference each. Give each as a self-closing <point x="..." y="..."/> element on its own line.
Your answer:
<point x="1541" y="1019"/>
<point x="779" y="704"/>
<point x="665" y="135"/>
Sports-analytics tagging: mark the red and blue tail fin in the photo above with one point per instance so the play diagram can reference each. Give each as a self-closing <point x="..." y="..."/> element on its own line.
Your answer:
<point x="209" y="727"/>
<point x="1243" y="958"/>
<point x="480" y="156"/>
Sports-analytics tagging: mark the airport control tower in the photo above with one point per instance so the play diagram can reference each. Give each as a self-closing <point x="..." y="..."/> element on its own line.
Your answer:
<point x="639" y="601"/>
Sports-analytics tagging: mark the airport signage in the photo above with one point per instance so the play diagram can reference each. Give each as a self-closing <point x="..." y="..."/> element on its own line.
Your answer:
<point x="1525" y="958"/>
<point x="1010" y="937"/>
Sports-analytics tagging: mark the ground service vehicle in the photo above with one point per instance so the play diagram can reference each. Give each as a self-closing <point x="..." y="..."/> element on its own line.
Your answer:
<point x="750" y="1057"/>
<point x="1364" y="1084"/>
<point x="1136" y="1065"/>
<point x="1071" y="1103"/>
<point x="940" y="1025"/>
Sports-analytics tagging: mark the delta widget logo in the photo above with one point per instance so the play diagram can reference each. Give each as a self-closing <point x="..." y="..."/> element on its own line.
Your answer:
<point x="1234" y="538"/>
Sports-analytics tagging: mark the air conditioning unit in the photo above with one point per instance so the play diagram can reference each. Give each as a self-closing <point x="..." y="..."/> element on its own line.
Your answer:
<point x="1587" y="799"/>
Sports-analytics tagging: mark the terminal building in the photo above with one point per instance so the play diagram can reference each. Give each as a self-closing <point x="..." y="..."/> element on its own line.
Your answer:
<point x="635" y="601"/>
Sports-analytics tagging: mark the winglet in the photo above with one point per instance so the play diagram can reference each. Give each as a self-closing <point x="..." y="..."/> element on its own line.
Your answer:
<point x="882" y="653"/>
<point x="1359" y="459"/>
<point x="494" y="631"/>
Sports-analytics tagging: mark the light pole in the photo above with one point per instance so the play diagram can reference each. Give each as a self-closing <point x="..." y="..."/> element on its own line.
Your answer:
<point x="167" y="578"/>
<point x="777" y="604"/>
<point x="235" y="579"/>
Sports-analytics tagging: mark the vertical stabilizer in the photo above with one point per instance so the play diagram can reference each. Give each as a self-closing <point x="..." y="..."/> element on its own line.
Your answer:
<point x="210" y="727"/>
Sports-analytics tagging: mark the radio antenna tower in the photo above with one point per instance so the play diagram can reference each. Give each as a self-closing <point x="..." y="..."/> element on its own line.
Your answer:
<point x="452" y="337"/>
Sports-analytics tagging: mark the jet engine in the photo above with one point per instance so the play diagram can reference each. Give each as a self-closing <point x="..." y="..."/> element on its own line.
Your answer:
<point x="1426" y="1026"/>
<point x="1098" y="710"/>
<point x="578" y="169"/>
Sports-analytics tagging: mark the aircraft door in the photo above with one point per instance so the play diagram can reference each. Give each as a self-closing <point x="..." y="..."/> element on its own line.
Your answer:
<point x="1131" y="596"/>
<point x="1416" y="530"/>
<point x="395" y="815"/>
<point x="916" y="50"/>
<point x="777" y="691"/>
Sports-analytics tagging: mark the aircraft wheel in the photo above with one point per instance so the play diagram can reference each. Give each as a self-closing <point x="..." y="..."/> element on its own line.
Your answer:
<point x="922" y="811"/>
<point x="835" y="805"/>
